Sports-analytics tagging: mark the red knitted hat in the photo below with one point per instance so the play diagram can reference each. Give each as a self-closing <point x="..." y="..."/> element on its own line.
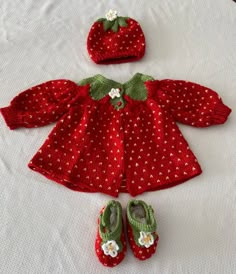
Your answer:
<point x="115" y="39"/>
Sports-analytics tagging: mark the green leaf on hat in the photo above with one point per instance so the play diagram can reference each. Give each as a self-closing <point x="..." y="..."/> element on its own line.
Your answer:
<point x="107" y="25"/>
<point x="122" y="21"/>
<point x="115" y="24"/>
<point x="115" y="27"/>
<point x="101" y="19"/>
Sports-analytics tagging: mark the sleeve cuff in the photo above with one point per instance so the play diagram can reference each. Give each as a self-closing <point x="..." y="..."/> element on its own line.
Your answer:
<point x="11" y="118"/>
<point x="221" y="113"/>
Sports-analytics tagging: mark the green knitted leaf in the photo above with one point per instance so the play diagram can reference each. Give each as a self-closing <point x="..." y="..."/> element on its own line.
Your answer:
<point x="115" y="26"/>
<point x="138" y="90"/>
<point x="97" y="90"/>
<point x="100" y="87"/>
<point x="101" y="19"/>
<point x="86" y="81"/>
<point x="122" y="21"/>
<point x="107" y="24"/>
<point x="137" y="93"/>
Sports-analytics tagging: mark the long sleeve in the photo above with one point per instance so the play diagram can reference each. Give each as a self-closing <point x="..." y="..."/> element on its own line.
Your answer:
<point x="192" y="104"/>
<point x="40" y="105"/>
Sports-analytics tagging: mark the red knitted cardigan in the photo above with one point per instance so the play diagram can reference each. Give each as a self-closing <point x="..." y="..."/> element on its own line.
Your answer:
<point x="127" y="143"/>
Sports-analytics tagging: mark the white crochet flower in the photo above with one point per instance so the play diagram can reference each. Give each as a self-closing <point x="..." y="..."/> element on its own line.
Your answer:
<point x="146" y="239"/>
<point x="115" y="92"/>
<point x="110" y="248"/>
<point x="111" y="15"/>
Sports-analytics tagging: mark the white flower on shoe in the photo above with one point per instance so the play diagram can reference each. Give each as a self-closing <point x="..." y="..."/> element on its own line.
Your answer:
<point x="115" y="92"/>
<point x="110" y="248"/>
<point x="111" y="15"/>
<point x="146" y="239"/>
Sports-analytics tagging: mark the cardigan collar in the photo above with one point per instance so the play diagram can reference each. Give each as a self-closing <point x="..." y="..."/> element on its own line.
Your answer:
<point x="134" y="88"/>
<point x="135" y="80"/>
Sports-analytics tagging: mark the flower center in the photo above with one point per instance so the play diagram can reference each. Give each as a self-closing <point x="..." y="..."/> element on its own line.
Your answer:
<point x="110" y="247"/>
<point x="147" y="239"/>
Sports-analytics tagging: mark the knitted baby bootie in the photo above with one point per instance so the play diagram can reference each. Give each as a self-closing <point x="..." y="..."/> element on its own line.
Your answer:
<point x="110" y="243"/>
<point x="141" y="225"/>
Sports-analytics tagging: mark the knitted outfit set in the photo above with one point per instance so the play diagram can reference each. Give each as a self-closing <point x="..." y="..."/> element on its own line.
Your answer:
<point x="113" y="137"/>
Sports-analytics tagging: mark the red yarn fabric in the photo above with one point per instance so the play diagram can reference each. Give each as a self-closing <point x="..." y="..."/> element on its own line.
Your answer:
<point x="97" y="148"/>
<point x="107" y="260"/>
<point x="141" y="253"/>
<point x="109" y="47"/>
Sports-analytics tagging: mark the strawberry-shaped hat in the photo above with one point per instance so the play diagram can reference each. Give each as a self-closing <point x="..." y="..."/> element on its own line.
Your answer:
<point x="115" y="39"/>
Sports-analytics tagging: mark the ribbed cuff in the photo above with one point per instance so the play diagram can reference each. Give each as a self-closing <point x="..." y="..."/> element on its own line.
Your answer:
<point x="150" y="226"/>
<point x="119" y="57"/>
<point x="11" y="117"/>
<point x="221" y="113"/>
<point x="109" y="234"/>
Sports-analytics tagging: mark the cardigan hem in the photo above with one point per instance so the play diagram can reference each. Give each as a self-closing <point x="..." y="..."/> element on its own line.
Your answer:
<point x="67" y="183"/>
<point x="78" y="186"/>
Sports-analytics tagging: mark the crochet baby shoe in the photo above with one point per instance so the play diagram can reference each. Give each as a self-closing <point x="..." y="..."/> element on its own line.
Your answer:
<point x="110" y="243"/>
<point x="141" y="225"/>
<point x="115" y="39"/>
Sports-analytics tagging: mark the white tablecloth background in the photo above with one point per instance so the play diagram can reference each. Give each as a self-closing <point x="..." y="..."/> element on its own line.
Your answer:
<point x="47" y="228"/>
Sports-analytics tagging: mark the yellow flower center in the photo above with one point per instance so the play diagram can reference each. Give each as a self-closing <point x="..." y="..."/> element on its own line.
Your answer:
<point x="110" y="247"/>
<point x="147" y="239"/>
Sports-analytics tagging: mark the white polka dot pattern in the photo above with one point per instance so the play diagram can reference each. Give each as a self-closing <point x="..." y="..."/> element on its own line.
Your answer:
<point x="97" y="148"/>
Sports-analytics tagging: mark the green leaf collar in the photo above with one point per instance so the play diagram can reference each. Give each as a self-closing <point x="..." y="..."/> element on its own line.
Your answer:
<point x="135" y="88"/>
